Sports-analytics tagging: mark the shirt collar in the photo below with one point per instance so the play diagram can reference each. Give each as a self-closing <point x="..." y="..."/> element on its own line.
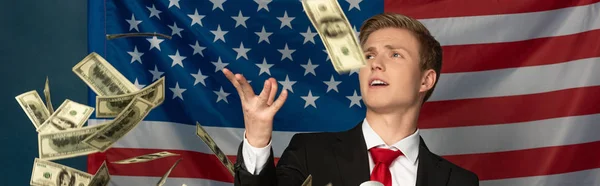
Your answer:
<point x="409" y="146"/>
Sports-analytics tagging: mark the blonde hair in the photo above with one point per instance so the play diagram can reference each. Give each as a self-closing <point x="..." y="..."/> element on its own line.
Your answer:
<point x="430" y="51"/>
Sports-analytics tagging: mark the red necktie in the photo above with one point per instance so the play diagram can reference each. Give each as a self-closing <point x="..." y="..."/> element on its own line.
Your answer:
<point x="383" y="158"/>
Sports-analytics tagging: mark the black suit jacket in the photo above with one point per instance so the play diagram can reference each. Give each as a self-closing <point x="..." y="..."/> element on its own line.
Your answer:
<point x="341" y="158"/>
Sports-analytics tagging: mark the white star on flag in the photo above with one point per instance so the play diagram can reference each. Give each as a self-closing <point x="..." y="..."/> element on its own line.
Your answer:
<point x="332" y="84"/>
<point x="308" y="36"/>
<point x="177" y="59"/>
<point x="217" y="4"/>
<point x="155" y="43"/>
<point x="354" y="100"/>
<point x="286" y="52"/>
<point x="174" y="3"/>
<point x="138" y="85"/>
<point x="326" y="53"/>
<point x="310" y="99"/>
<point x="198" y="49"/>
<point x="221" y="95"/>
<point x="219" y="65"/>
<point x="240" y="20"/>
<point x="263" y="35"/>
<point x="354" y="70"/>
<point x="136" y="55"/>
<point x="354" y="4"/>
<point x="219" y="34"/>
<point x="196" y="18"/>
<point x="287" y="84"/>
<point x="154" y="12"/>
<point x="309" y="68"/>
<point x="177" y="92"/>
<point x="264" y="67"/>
<point x="175" y="29"/>
<point x="199" y="78"/>
<point x="241" y="51"/>
<point x="263" y="4"/>
<point x="285" y="20"/>
<point x="133" y="24"/>
<point x="155" y="73"/>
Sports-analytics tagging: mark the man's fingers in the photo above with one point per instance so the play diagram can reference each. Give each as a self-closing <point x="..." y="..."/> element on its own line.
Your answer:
<point x="231" y="77"/>
<point x="273" y="91"/>
<point x="246" y="88"/>
<point x="280" y="100"/>
<point x="264" y="94"/>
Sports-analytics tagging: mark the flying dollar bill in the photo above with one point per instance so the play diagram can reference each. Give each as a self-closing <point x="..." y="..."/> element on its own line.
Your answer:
<point x="102" y="77"/>
<point x="164" y="178"/>
<point x="111" y="106"/>
<point x="308" y="181"/>
<point x="67" y="143"/>
<point x="133" y="114"/>
<point x="200" y="132"/>
<point x="102" y="177"/>
<point x="337" y="34"/>
<point x="146" y="158"/>
<point x="32" y="104"/>
<point x="46" y="173"/>
<point x="69" y="115"/>
<point x="47" y="96"/>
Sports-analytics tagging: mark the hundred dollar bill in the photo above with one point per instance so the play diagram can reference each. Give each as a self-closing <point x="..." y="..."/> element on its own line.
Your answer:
<point x="46" y="173"/>
<point x="164" y="178"/>
<point x="128" y="119"/>
<point x="69" y="115"/>
<point x="146" y="158"/>
<point x="111" y="106"/>
<point x="67" y="143"/>
<point x="47" y="96"/>
<point x="308" y="181"/>
<point x="200" y="132"/>
<point x="102" y="77"/>
<point x="337" y="34"/>
<point x="32" y="104"/>
<point x="102" y="176"/>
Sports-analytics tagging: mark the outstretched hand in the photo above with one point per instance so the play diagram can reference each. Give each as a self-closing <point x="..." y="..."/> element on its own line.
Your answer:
<point x="259" y="110"/>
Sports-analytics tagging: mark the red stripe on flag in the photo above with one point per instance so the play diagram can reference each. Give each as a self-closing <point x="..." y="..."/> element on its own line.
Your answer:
<point x="510" y="109"/>
<point x="455" y="8"/>
<point x="95" y="161"/>
<point x="531" y="162"/>
<point x="193" y="165"/>
<point x="542" y="51"/>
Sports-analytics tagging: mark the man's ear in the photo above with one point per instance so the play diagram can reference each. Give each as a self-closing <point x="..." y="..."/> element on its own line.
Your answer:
<point x="428" y="80"/>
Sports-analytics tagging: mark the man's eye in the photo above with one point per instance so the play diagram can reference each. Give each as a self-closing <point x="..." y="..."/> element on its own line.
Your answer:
<point x="369" y="56"/>
<point x="396" y="55"/>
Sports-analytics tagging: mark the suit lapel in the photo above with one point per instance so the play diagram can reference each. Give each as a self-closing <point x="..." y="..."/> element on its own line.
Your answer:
<point x="430" y="172"/>
<point x="351" y="156"/>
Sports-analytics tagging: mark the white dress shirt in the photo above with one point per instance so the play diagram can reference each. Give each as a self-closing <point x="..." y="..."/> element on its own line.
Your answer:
<point x="403" y="168"/>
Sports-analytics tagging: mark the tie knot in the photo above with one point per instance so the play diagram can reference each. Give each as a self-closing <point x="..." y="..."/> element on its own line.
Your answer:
<point x="385" y="156"/>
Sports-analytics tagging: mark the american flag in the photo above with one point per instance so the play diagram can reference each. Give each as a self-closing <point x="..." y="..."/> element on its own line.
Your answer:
<point x="517" y="101"/>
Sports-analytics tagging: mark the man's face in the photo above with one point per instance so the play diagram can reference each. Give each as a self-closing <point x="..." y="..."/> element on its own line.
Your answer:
<point x="392" y="77"/>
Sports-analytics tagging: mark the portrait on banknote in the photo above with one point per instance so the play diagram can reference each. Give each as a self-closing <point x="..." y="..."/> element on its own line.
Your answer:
<point x="65" y="179"/>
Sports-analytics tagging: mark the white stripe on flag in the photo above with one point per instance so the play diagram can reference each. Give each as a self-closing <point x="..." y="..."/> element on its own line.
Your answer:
<point x="518" y="81"/>
<point x="169" y="135"/>
<point x="143" y="180"/>
<point x="515" y="136"/>
<point x="580" y="178"/>
<point x="514" y="27"/>
<point x="443" y="141"/>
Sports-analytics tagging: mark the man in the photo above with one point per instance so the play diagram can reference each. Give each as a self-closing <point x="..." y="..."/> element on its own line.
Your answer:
<point x="403" y="66"/>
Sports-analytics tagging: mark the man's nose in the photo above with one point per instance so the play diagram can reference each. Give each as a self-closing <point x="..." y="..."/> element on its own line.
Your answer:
<point x="377" y="64"/>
